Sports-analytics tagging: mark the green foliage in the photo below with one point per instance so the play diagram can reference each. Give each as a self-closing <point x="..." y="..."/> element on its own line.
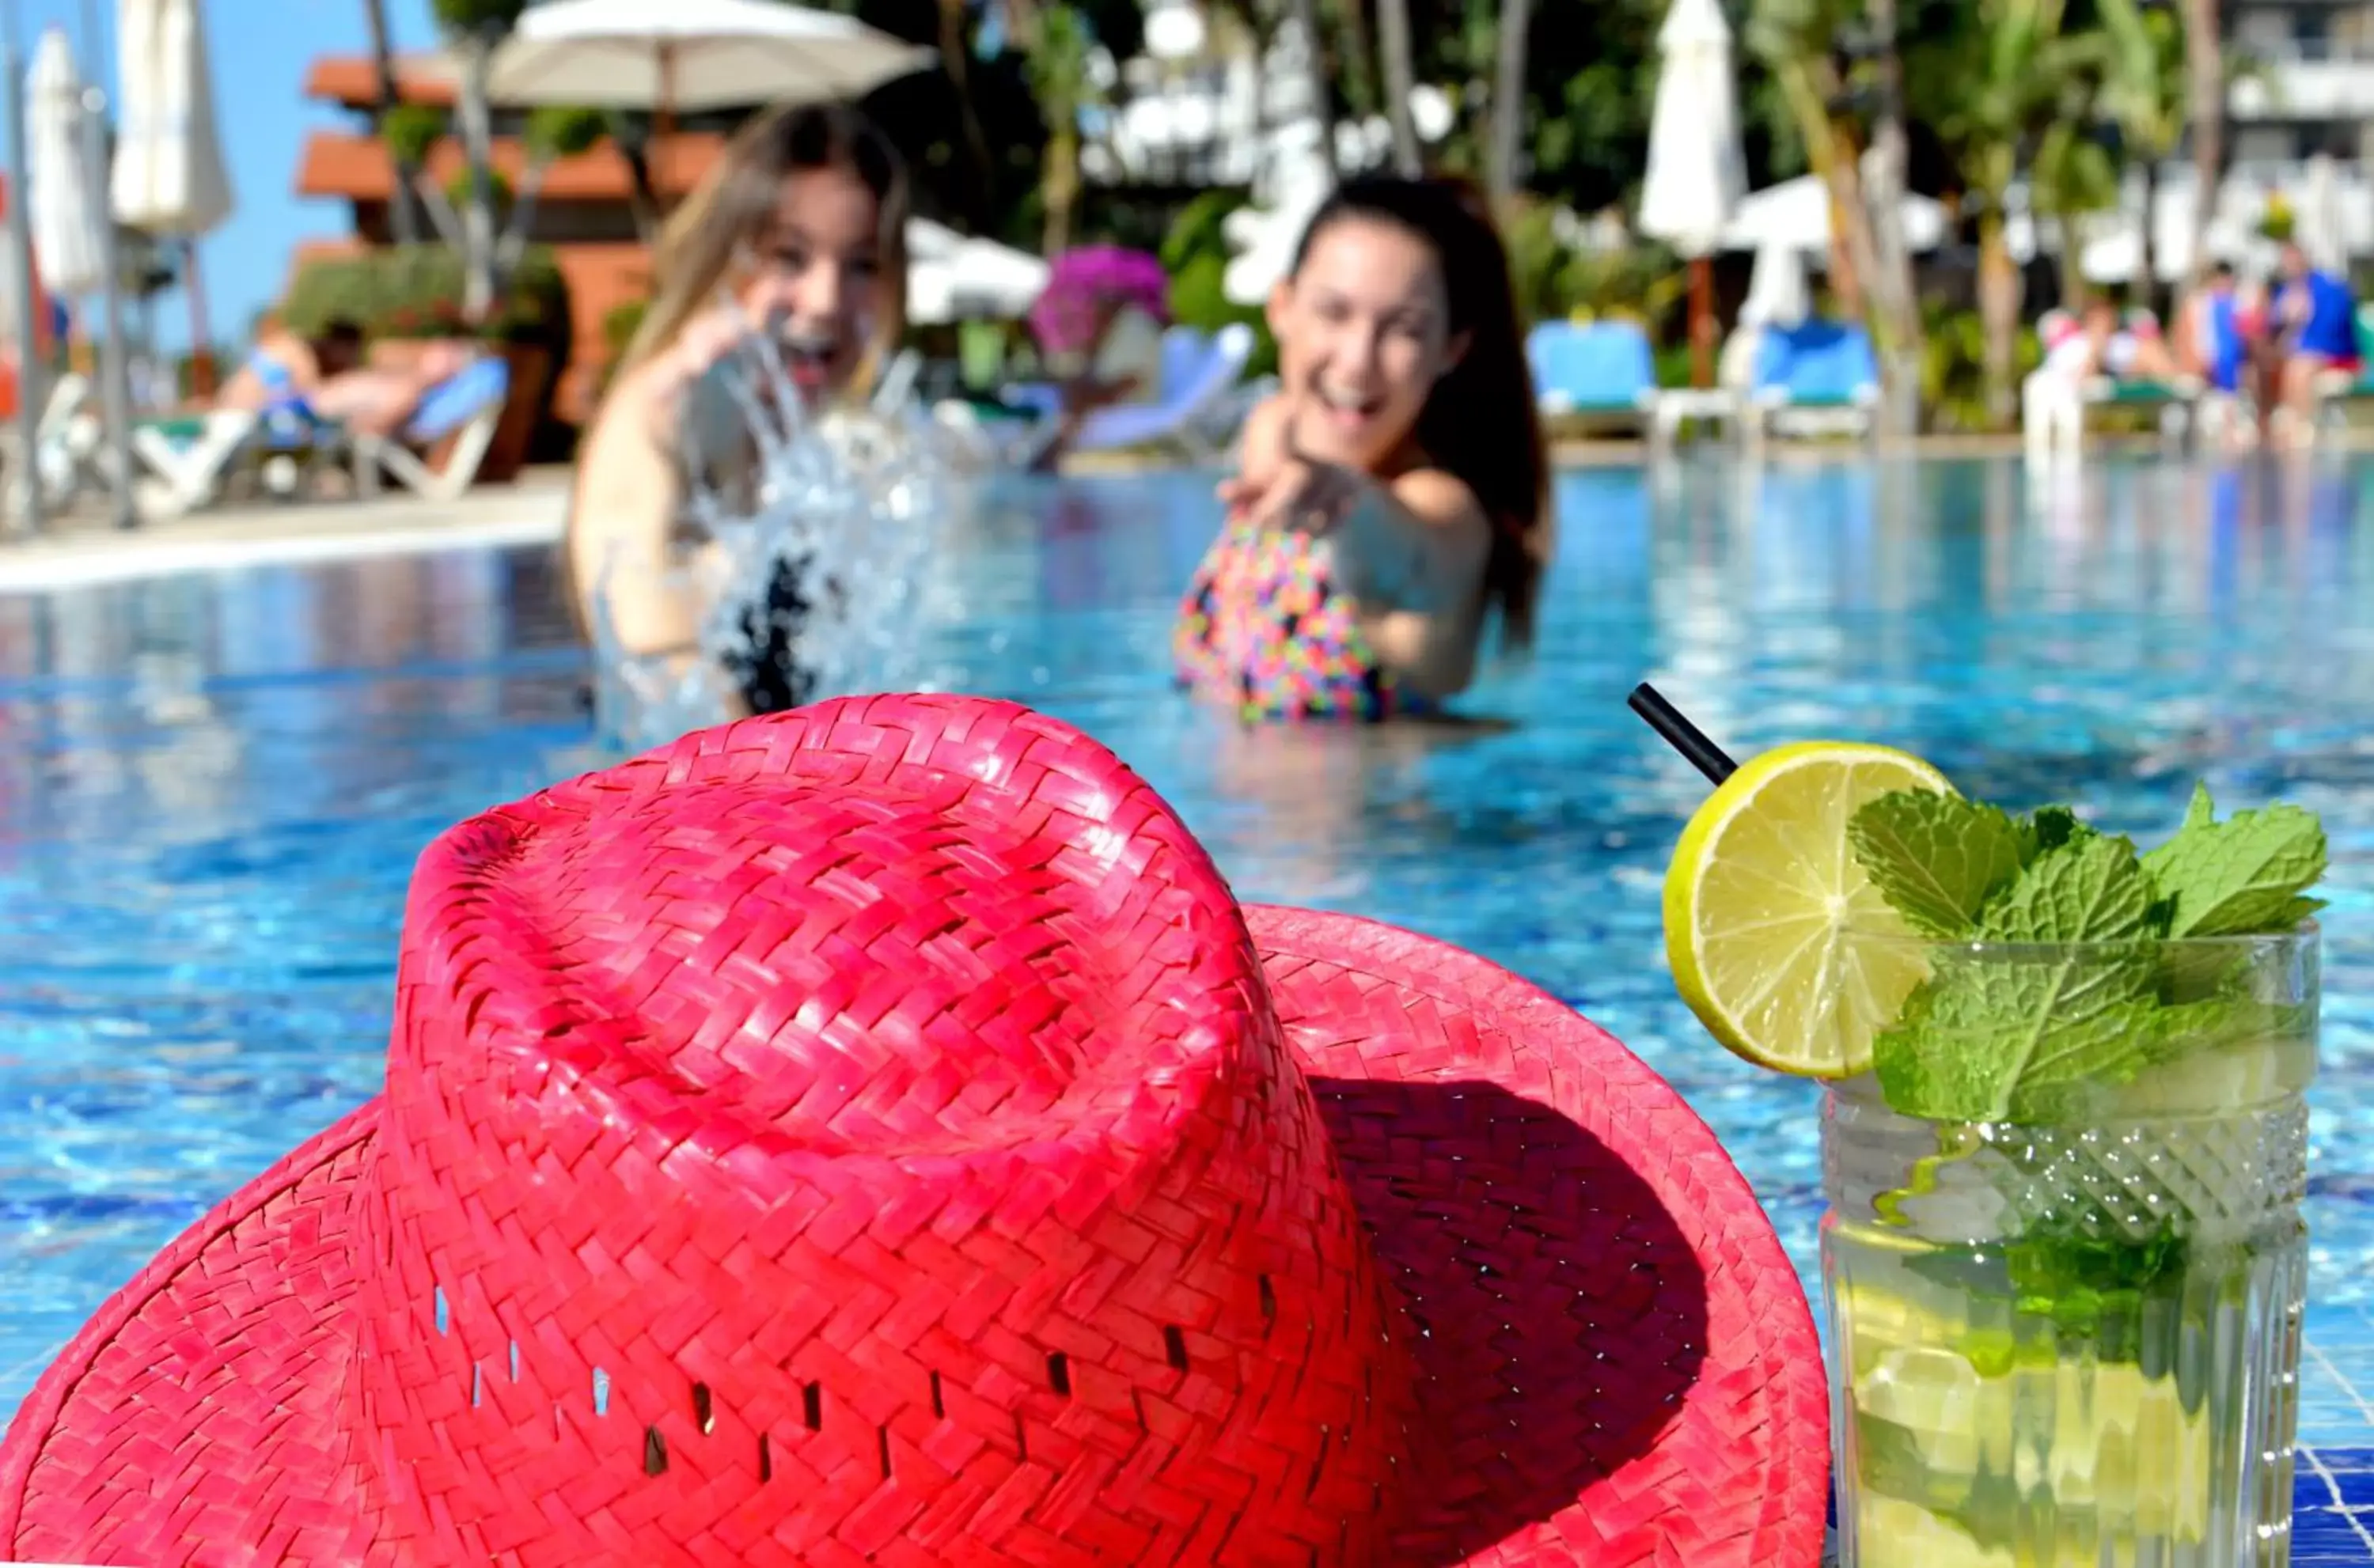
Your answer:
<point x="562" y="132"/>
<point x="1196" y="253"/>
<point x="463" y="16"/>
<point x="2277" y="219"/>
<point x="411" y="131"/>
<point x="415" y="291"/>
<point x="1642" y="282"/>
<point x="620" y="323"/>
<point x="457" y="191"/>
<point x="1591" y="79"/>
<point x="1953" y="376"/>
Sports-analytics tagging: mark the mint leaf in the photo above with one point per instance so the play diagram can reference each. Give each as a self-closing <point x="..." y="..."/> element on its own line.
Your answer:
<point x="2242" y="875"/>
<point x="2092" y="889"/>
<point x="2097" y="1287"/>
<point x="2051" y="827"/>
<point x="1936" y="859"/>
<point x="1995" y="1036"/>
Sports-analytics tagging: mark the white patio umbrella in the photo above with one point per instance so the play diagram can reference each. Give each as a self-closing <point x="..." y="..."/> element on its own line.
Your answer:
<point x="168" y="177"/>
<point x="951" y="277"/>
<point x="65" y="212"/>
<point x="1697" y="170"/>
<point x="1797" y="213"/>
<point x="672" y="55"/>
<point x="1777" y="295"/>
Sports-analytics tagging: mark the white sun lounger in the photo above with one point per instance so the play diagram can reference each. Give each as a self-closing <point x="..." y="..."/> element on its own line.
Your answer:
<point x="1195" y="385"/>
<point x="470" y="402"/>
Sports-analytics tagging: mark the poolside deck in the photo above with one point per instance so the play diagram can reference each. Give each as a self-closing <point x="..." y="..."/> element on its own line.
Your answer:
<point x="81" y="547"/>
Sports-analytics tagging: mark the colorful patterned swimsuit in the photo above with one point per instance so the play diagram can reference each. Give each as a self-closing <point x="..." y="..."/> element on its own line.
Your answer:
<point x="1265" y="628"/>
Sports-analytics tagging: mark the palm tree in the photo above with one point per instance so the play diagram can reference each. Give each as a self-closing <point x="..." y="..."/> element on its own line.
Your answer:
<point x="402" y="213"/>
<point x="1899" y="312"/>
<point x="1399" y="71"/>
<point x="2205" y="72"/>
<point x="1055" y="40"/>
<point x="2146" y="90"/>
<point x="1796" y="40"/>
<point x="2003" y="82"/>
<point x="1503" y="172"/>
<point x="474" y="27"/>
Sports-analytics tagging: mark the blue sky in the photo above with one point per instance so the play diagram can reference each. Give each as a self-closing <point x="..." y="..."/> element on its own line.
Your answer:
<point x="259" y="50"/>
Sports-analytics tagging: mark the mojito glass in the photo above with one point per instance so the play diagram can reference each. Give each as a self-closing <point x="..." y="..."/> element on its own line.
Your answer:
<point x="2067" y="1332"/>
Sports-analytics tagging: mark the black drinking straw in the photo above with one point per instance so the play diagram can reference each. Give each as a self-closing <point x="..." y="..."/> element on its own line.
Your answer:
<point x="1681" y="734"/>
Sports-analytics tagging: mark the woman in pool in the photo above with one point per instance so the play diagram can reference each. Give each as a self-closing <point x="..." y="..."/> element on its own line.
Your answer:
<point x="798" y="231"/>
<point x="1395" y="492"/>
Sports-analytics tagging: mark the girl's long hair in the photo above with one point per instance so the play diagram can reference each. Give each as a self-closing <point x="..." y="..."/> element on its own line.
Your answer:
<point x="704" y="239"/>
<point x="737" y="200"/>
<point x="1481" y="422"/>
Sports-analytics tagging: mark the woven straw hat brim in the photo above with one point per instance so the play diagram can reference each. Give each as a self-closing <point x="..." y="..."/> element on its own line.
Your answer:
<point x="1612" y="1343"/>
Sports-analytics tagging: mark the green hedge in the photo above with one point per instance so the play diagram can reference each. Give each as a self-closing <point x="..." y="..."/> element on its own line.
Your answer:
<point x="409" y="291"/>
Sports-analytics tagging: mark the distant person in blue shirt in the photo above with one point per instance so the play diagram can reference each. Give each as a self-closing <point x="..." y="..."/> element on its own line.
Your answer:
<point x="2215" y="340"/>
<point x="2317" y="317"/>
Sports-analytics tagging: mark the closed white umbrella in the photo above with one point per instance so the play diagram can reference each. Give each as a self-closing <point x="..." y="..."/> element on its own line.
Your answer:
<point x="951" y="277"/>
<point x="169" y="174"/>
<point x="672" y="55"/>
<point x="1696" y="169"/>
<point x="168" y="177"/>
<point x="65" y="212"/>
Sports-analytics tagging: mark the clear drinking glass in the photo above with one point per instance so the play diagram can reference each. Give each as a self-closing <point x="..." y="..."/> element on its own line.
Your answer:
<point x="2069" y="1333"/>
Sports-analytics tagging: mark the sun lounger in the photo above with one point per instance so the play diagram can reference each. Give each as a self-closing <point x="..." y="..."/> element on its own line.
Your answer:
<point x="2052" y="413"/>
<point x="1592" y="370"/>
<point x="188" y="458"/>
<point x="2335" y="390"/>
<point x="1814" y="378"/>
<point x="66" y="446"/>
<point x="466" y="406"/>
<point x="1179" y="418"/>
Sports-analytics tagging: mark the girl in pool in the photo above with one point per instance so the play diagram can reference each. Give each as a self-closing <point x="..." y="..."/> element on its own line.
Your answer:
<point x="798" y="231"/>
<point x="1393" y="494"/>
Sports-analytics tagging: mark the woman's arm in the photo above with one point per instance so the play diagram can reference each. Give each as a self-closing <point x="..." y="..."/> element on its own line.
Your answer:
<point x="1420" y="543"/>
<point x="622" y="517"/>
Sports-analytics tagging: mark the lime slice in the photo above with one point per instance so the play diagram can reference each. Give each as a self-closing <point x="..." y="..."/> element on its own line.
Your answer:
<point x="1891" y="1531"/>
<point x="1762" y="894"/>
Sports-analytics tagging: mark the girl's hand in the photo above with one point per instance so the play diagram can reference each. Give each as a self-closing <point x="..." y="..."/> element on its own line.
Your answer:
<point x="1303" y="494"/>
<point x="705" y="341"/>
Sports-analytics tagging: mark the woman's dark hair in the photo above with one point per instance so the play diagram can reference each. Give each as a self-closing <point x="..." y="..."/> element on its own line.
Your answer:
<point x="339" y="343"/>
<point x="1480" y="423"/>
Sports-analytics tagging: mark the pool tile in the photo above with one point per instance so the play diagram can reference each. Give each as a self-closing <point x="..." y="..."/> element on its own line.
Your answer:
<point x="2332" y="1516"/>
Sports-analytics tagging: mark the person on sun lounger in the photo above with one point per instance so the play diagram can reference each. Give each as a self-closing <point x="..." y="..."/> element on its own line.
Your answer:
<point x="326" y="378"/>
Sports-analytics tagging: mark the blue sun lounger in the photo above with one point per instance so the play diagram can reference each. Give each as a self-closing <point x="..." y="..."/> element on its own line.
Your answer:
<point x="1817" y="376"/>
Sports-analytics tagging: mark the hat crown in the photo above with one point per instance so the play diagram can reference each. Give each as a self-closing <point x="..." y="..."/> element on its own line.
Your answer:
<point x="851" y="1121"/>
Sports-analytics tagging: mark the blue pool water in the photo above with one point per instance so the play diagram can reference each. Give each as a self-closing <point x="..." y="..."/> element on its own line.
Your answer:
<point x="212" y="787"/>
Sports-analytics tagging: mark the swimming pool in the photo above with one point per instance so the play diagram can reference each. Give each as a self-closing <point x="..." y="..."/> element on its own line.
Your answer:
<point x="212" y="787"/>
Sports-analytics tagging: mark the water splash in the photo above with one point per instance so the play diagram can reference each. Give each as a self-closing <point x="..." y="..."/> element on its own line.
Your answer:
<point x="814" y="538"/>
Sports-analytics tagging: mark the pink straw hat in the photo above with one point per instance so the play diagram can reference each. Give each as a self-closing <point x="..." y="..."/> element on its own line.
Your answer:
<point x="873" y="1134"/>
